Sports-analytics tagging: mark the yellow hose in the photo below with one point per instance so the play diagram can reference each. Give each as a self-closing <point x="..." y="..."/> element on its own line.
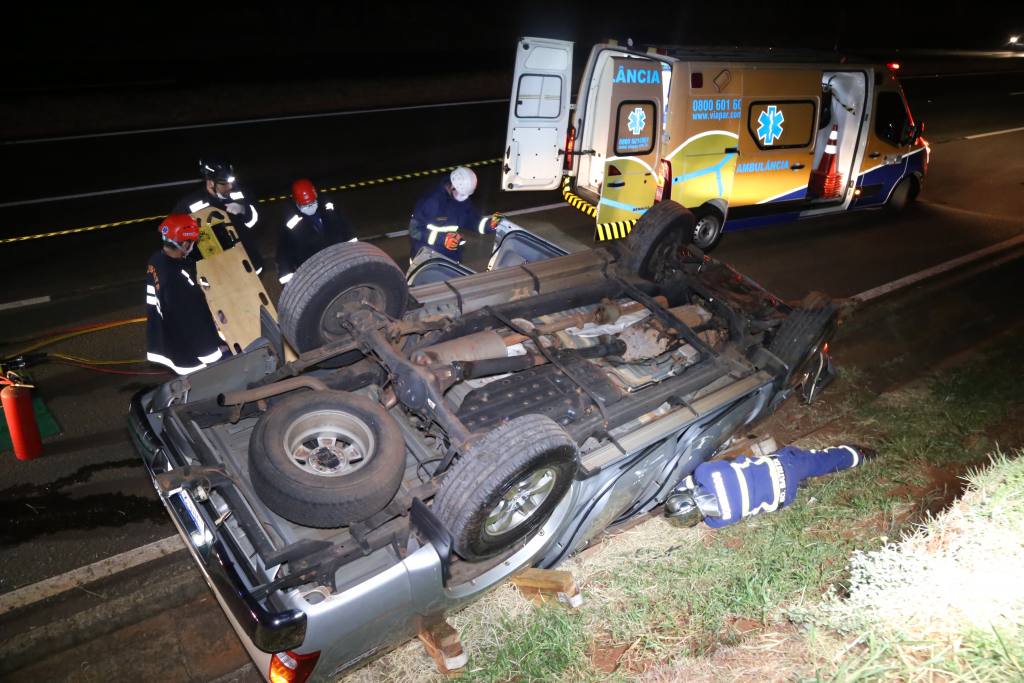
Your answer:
<point x="76" y="333"/>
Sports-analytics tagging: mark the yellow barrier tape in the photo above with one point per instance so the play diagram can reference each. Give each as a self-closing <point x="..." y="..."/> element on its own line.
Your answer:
<point x="265" y="200"/>
<point x="605" y="231"/>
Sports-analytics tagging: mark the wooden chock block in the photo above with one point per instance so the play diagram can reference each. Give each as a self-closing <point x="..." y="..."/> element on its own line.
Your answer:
<point x="544" y="585"/>
<point x="441" y="641"/>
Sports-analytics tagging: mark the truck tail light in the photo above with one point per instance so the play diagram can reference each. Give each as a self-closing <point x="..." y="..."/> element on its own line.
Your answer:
<point x="663" y="181"/>
<point x="570" y="147"/>
<point x="289" y="667"/>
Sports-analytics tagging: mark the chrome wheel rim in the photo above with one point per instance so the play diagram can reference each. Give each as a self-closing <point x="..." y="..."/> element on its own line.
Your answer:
<point x="329" y="443"/>
<point x="521" y="502"/>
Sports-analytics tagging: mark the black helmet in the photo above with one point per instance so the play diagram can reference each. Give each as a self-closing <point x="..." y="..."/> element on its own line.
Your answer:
<point x="217" y="170"/>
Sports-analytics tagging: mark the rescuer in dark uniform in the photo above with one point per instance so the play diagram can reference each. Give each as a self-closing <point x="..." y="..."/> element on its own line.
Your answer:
<point x="445" y="214"/>
<point x="311" y="227"/>
<point x="179" y="328"/>
<point x="220" y="206"/>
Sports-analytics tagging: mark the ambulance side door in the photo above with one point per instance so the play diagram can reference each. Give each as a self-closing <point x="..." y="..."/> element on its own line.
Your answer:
<point x="776" y="144"/>
<point x="538" y="115"/>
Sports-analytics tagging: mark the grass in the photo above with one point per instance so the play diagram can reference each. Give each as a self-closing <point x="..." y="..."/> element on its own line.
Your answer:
<point x="670" y="604"/>
<point x="946" y="600"/>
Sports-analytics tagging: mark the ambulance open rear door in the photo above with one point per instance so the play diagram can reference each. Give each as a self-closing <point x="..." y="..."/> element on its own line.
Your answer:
<point x="538" y="115"/>
<point x="635" y="111"/>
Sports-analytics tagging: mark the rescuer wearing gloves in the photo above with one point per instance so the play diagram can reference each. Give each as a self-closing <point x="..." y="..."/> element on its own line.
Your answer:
<point x="311" y="227"/>
<point x="179" y="328"/>
<point x="723" y="492"/>
<point x="220" y="205"/>
<point x="444" y="215"/>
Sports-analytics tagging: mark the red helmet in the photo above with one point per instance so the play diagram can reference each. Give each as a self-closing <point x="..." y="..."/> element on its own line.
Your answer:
<point x="178" y="228"/>
<point x="303" y="192"/>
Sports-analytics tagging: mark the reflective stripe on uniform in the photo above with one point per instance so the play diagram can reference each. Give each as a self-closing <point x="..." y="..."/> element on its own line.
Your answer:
<point x="187" y="277"/>
<point x="236" y="195"/>
<point x="293" y="221"/>
<point x="154" y="302"/>
<point x="720" y="493"/>
<point x="354" y="239"/>
<point x="163" y="360"/>
<point x="482" y="226"/>
<point x="192" y="208"/>
<point x="285" y="278"/>
<point x="255" y="216"/>
<point x="150" y="289"/>
<point x="213" y="357"/>
<point x="435" y="229"/>
<point x="329" y="206"/>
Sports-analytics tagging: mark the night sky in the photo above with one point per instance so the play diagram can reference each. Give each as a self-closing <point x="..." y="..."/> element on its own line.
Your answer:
<point x="109" y="43"/>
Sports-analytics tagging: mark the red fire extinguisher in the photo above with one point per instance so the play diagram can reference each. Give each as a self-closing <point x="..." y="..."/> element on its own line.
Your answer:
<point x="21" y="418"/>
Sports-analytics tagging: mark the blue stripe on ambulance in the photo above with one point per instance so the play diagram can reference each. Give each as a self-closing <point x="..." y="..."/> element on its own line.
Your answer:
<point x="734" y="224"/>
<point x="622" y="205"/>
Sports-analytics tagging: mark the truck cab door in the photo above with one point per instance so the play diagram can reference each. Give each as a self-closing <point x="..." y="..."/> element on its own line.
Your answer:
<point x="538" y="115"/>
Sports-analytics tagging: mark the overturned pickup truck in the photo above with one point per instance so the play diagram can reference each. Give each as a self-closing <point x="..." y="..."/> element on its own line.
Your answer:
<point x="432" y="440"/>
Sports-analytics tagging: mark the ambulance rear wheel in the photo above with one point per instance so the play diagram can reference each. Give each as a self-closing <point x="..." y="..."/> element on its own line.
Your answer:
<point x="708" y="230"/>
<point x="337" y="280"/>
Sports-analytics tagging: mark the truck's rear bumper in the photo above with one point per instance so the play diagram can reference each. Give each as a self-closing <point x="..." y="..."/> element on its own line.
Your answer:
<point x="267" y="631"/>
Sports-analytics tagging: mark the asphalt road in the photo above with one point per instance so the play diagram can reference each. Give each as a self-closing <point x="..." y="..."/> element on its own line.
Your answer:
<point x="88" y="498"/>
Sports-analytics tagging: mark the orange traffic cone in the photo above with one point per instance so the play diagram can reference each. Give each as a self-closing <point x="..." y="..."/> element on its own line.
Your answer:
<point x="826" y="181"/>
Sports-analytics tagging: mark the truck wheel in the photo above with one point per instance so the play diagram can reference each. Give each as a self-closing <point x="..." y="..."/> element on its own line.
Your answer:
<point x="801" y="335"/>
<point x="340" y="278"/>
<point x="326" y="458"/>
<point x="708" y="230"/>
<point x="660" y="232"/>
<point x="900" y="197"/>
<point x="506" y="485"/>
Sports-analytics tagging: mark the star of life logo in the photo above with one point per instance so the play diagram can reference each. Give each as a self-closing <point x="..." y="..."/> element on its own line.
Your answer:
<point x="769" y="127"/>
<point x="636" y="121"/>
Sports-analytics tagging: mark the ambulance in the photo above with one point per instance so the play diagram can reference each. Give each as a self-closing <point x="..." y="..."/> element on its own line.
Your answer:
<point x="741" y="139"/>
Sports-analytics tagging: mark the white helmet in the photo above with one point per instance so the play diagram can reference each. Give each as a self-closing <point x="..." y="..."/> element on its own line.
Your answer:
<point x="463" y="182"/>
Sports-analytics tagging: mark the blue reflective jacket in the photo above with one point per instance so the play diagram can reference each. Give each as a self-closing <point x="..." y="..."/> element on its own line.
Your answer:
<point x="451" y="221"/>
<point x="748" y="486"/>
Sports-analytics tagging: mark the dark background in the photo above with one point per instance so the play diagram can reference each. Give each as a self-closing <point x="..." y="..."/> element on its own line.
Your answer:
<point x="99" y="45"/>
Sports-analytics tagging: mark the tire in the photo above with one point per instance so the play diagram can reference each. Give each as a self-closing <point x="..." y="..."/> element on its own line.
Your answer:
<point x="900" y="197"/>
<point x="342" y="276"/>
<point x="664" y="228"/>
<point x="483" y="493"/>
<point x="707" y="232"/>
<point x="313" y="486"/>
<point x="799" y="337"/>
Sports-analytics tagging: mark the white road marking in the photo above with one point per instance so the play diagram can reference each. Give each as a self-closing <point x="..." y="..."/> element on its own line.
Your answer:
<point x="112" y="565"/>
<point x="100" y="193"/>
<point x="47" y="588"/>
<point x="890" y="287"/>
<point x="43" y="200"/>
<point x="535" y="209"/>
<point x="245" y="122"/>
<point x="1017" y="93"/>
<point x="995" y="132"/>
<point x="25" y="302"/>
